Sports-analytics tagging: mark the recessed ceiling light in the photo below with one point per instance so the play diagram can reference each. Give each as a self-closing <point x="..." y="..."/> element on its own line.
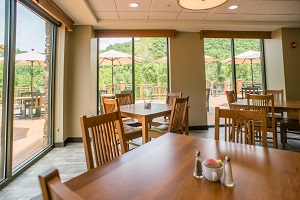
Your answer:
<point x="134" y="5"/>
<point x="233" y="7"/>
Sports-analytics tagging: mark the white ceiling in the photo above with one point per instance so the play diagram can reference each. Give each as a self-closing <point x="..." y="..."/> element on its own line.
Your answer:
<point x="260" y="15"/>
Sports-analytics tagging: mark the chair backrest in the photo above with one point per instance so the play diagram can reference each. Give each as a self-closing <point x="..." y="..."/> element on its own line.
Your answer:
<point x="107" y="133"/>
<point x="110" y="105"/>
<point x="178" y="114"/>
<point x="102" y="92"/>
<point x="231" y="97"/>
<point x="53" y="188"/>
<point x="124" y="99"/>
<point x="239" y="124"/>
<point x="171" y="96"/>
<point x="278" y="94"/>
<point x="257" y="102"/>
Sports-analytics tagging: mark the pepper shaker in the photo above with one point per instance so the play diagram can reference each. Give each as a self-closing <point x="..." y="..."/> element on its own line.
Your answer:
<point x="198" y="166"/>
<point x="228" y="178"/>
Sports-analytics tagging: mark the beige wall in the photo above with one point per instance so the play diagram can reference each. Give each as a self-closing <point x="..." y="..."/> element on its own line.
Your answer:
<point x="82" y="77"/>
<point x="291" y="60"/>
<point x="274" y="61"/>
<point x="187" y="73"/>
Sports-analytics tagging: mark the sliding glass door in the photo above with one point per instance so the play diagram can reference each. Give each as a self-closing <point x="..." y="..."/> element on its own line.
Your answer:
<point x="26" y="79"/>
<point x="2" y="133"/>
<point x="231" y="64"/>
<point x="30" y="131"/>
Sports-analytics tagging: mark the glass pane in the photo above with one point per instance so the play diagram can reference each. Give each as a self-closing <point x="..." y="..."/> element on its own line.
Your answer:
<point x="2" y="23"/>
<point x="248" y="65"/>
<point x="218" y="75"/>
<point x="151" y="75"/>
<point x="33" y="43"/>
<point x="115" y="67"/>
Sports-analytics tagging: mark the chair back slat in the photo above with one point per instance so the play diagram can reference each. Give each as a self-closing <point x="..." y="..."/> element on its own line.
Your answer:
<point x="107" y="134"/>
<point x="178" y="114"/>
<point x="171" y="96"/>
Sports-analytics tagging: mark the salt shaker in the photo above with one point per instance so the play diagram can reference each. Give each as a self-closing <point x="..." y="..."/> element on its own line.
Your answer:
<point x="228" y="178"/>
<point x="198" y="166"/>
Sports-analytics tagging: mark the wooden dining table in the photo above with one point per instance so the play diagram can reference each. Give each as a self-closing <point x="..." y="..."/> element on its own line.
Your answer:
<point x="163" y="169"/>
<point x="292" y="107"/>
<point x="146" y="115"/>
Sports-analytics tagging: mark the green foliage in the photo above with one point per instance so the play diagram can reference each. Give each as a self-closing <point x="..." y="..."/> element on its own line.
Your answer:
<point x="147" y="72"/>
<point x="221" y="50"/>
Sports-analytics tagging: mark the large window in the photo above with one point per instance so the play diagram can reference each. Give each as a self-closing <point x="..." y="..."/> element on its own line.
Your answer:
<point x="136" y="65"/>
<point x="231" y="64"/>
<point x="26" y="86"/>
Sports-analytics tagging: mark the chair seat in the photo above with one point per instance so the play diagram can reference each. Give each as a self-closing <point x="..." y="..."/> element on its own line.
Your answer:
<point x="132" y="132"/>
<point x="157" y="131"/>
<point x="290" y="124"/>
<point x="131" y="122"/>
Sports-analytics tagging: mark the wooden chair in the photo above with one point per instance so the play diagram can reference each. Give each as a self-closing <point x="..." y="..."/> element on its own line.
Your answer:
<point x="107" y="133"/>
<point x="258" y="102"/>
<point x="171" y="95"/>
<point x="278" y="96"/>
<point x="53" y="188"/>
<point x="290" y="126"/>
<point x="130" y="133"/>
<point x="177" y="119"/>
<point x="240" y="125"/>
<point x="126" y="99"/>
<point x="231" y="97"/>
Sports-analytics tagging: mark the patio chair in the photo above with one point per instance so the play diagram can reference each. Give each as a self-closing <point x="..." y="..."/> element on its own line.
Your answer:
<point x="52" y="187"/>
<point x="249" y="90"/>
<point x="239" y="125"/>
<point x="107" y="133"/>
<point x="101" y="92"/>
<point x="207" y="98"/>
<point x="177" y="119"/>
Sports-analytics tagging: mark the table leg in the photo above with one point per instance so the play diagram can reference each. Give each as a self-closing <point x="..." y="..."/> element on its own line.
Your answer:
<point x="145" y="129"/>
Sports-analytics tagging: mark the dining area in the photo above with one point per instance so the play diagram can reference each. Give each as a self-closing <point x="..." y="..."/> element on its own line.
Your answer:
<point x="163" y="165"/>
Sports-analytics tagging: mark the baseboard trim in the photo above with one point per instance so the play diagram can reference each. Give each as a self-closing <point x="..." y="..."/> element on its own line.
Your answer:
<point x="69" y="139"/>
<point x="205" y="127"/>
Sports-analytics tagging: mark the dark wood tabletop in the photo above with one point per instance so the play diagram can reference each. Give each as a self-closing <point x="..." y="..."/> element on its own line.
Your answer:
<point x="163" y="168"/>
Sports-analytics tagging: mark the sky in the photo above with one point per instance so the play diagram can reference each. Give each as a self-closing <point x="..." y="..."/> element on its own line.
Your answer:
<point x="105" y="42"/>
<point x="30" y="29"/>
